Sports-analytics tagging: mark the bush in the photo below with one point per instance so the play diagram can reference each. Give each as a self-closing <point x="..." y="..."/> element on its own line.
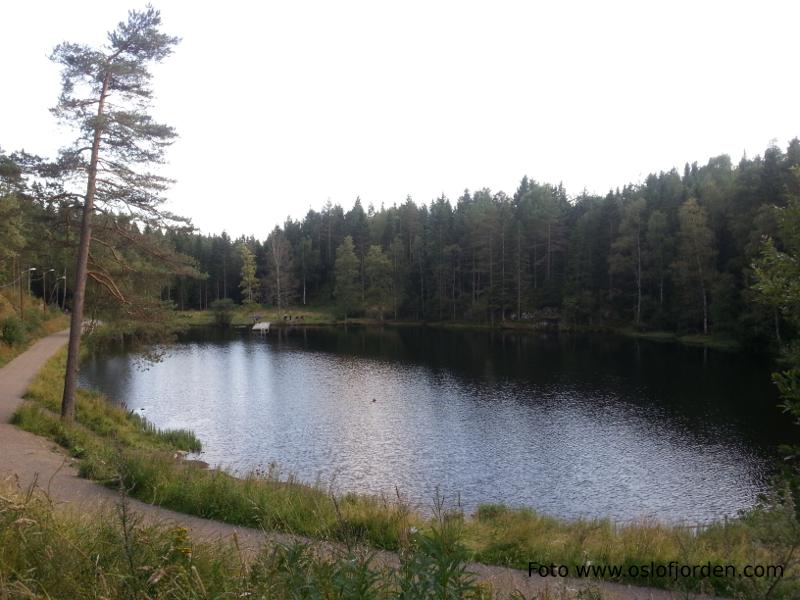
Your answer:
<point x="12" y="331"/>
<point x="223" y="312"/>
<point x="33" y="319"/>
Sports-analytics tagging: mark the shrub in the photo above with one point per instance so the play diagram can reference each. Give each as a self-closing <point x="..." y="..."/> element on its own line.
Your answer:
<point x="12" y="331"/>
<point x="223" y="312"/>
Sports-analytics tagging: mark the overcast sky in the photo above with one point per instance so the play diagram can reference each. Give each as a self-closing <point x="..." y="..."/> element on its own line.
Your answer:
<point x="282" y="105"/>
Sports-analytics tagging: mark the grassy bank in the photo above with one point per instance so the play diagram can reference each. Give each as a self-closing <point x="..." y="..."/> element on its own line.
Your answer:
<point x="243" y="316"/>
<point x="17" y="335"/>
<point x="714" y="342"/>
<point x="121" y="449"/>
<point x="112" y="555"/>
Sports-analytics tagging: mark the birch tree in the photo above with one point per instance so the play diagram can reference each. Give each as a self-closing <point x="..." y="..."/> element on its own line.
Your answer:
<point x="627" y="249"/>
<point x="694" y="266"/>
<point x="249" y="283"/>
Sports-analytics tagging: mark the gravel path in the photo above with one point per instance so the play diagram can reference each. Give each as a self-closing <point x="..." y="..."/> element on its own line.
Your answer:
<point x="28" y="458"/>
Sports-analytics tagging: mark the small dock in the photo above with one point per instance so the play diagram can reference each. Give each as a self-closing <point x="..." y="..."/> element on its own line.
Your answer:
<point x="262" y="328"/>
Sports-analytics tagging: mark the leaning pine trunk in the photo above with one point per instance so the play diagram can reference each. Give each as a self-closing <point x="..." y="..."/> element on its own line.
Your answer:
<point x="82" y="268"/>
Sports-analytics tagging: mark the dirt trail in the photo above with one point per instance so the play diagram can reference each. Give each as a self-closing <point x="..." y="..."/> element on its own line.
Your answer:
<point x="28" y="458"/>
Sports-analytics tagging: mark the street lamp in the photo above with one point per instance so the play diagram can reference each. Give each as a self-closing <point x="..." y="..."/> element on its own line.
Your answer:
<point x="22" y="296"/>
<point x="55" y="291"/>
<point x="29" y="279"/>
<point x="44" y="289"/>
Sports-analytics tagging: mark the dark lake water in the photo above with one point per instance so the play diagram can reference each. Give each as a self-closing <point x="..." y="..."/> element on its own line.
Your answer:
<point x="571" y="425"/>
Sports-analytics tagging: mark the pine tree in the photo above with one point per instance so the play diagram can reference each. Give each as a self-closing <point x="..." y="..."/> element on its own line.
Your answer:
<point x="105" y="95"/>
<point x="347" y="290"/>
<point x="280" y="268"/>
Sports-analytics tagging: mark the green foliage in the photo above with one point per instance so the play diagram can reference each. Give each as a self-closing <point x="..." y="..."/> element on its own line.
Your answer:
<point x="282" y="282"/>
<point x="222" y="310"/>
<point x="249" y="283"/>
<point x="672" y="254"/>
<point x="346" y="291"/>
<point x="378" y="272"/>
<point x="513" y="537"/>
<point x="436" y="564"/>
<point x="628" y="250"/>
<point x="12" y="331"/>
<point x="115" y="554"/>
<point x="628" y="258"/>
<point x="777" y="286"/>
<point x="694" y="266"/>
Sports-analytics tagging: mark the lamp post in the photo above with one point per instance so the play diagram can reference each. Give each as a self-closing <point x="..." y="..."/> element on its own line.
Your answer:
<point x="29" y="279"/>
<point x="58" y="281"/>
<point x="22" y="296"/>
<point x="44" y="289"/>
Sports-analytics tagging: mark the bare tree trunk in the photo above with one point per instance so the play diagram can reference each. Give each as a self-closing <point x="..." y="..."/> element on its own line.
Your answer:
<point x="303" y="258"/>
<point x="638" y="277"/>
<point x="454" y="291"/>
<point x="82" y="268"/>
<point x="225" y="273"/>
<point x="503" y="274"/>
<point x="705" y="308"/>
<point x="491" y="281"/>
<point x="474" y="290"/>
<point x="547" y="272"/>
<point x="610" y="276"/>
<point x="421" y="288"/>
<point x="519" y="274"/>
<point x="702" y="289"/>
<point x="277" y="280"/>
<point x="394" y="285"/>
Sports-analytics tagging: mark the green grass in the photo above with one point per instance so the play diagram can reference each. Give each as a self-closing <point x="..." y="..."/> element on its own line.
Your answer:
<point x="710" y="341"/>
<point x="499" y="535"/>
<point x="325" y="315"/>
<point x="111" y="554"/>
<point x="242" y="315"/>
<point x="715" y="342"/>
<point x="120" y="449"/>
<point x="37" y="324"/>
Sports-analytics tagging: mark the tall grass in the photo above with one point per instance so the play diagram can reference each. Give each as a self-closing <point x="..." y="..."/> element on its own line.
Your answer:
<point x="113" y="555"/>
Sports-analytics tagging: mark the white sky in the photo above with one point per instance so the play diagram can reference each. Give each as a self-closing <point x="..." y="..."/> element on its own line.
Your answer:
<point x="282" y="105"/>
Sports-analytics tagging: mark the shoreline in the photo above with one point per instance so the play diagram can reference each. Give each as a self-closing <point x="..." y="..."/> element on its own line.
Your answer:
<point x="660" y="337"/>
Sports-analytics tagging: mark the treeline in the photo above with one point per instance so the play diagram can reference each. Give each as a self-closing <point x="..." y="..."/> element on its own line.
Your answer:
<point x="131" y="264"/>
<point x="673" y="253"/>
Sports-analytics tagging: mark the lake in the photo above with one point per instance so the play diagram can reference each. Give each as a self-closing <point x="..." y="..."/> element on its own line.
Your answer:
<point x="570" y="425"/>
